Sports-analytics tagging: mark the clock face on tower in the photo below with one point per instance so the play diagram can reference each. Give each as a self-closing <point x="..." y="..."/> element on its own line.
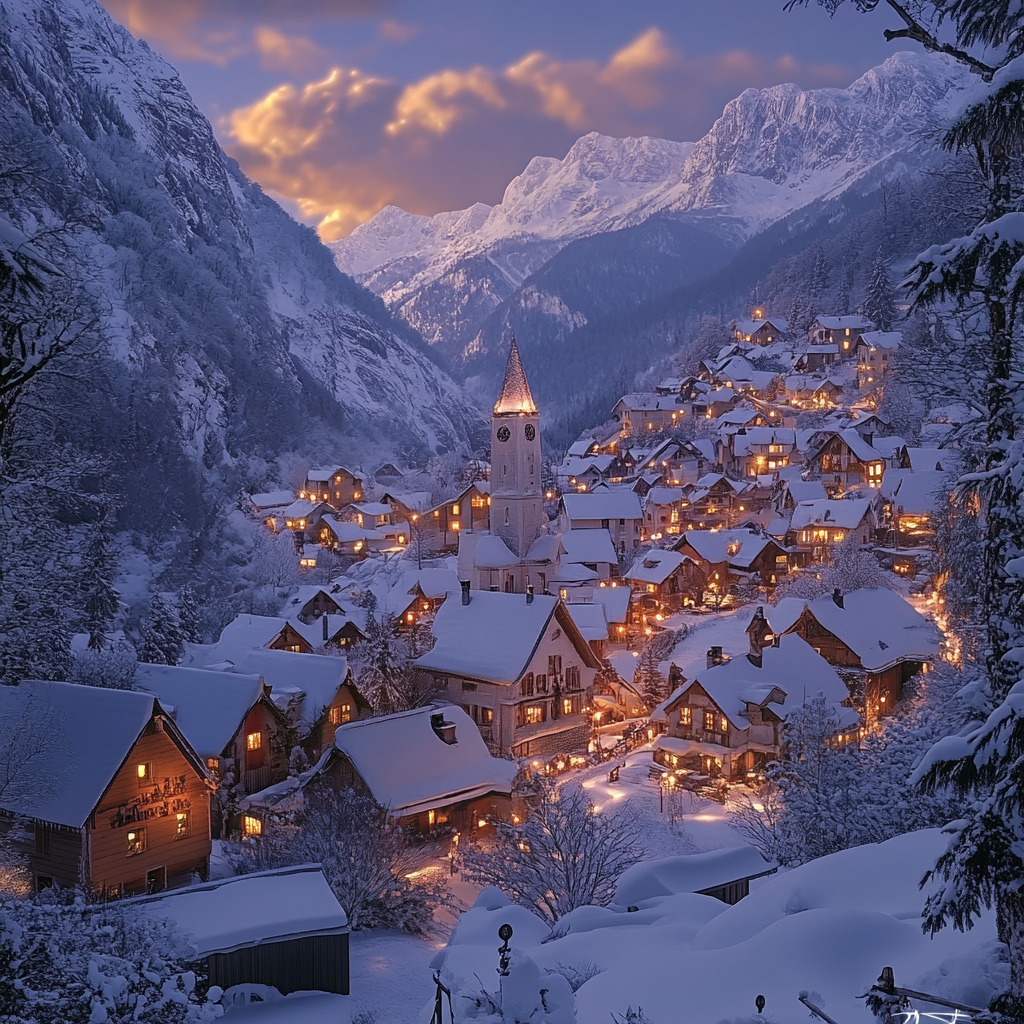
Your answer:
<point x="531" y="431"/>
<point x="504" y="433"/>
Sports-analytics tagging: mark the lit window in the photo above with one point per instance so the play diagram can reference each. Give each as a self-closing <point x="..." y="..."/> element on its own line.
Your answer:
<point x="254" y="741"/>
<point x="455" y="510"/>
<point x="136" y="842"/>
<point x="334" y="715"/>
<point x="725" y="724"/>
<point x="709" y="721"/>
<point x="567" y="706"/>
<point x="346" y="713"/>
<point x="145" y="774"/>
<point x="685" y="716"/>
<point x="182" y="825"/>
<point x="252" y="826"/>
<point x="213" y="766"/>
<point x="431" y="817"/>
<point x="534" y="714"/>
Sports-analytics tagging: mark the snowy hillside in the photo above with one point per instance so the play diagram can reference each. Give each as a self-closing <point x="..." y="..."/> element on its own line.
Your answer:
<point x="771" y="153"/>
<point x="215" y="299"/>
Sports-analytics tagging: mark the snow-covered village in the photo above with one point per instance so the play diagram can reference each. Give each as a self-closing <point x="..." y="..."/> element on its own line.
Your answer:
<point x="511" y="516"/>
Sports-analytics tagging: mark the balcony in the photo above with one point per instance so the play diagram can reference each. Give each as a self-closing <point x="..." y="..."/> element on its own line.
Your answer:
<point x="255" y="779"/>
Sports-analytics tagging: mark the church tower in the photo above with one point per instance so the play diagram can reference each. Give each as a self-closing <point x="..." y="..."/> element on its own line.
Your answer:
<point x="517" y="512"/>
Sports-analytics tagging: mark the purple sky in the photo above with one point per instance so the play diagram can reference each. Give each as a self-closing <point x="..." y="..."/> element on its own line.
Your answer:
<point x="338" y="107"/>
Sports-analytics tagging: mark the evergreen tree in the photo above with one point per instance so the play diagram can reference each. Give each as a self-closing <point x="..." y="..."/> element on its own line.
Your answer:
<point x="161" y="638"/>
<point x="880" y="301"/>
<point x="649" y="680"/>
<point x="188" y="614"/>
<point x="99" y="567"/>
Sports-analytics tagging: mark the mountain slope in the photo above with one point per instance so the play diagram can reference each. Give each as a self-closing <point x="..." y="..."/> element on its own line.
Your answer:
<point x="217" y="304"/>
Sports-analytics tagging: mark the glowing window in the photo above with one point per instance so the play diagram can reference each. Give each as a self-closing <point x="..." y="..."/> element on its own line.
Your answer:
<point x="254" y="741"/>
<point x="685" y="716"/>
<point x="182" y="825"/>
<point x="136" y="841"/>
<point x="144" y="773"/>
<point x="709" y="721"/>
<point x="567" y="706"/>
<point x="725" y="724"/>
<point x="252" y="826"/>
<point x="534" y="714"/>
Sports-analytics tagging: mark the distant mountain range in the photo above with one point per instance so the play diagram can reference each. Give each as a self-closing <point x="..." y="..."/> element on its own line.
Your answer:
<point x="619" y="223"/>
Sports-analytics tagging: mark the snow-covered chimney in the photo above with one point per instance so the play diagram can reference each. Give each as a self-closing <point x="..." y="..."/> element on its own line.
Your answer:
<point x="465" y="591"/>
<point x="715" y="656"/>
<point x="837" y="597"/>
<point x="529" y="594"/>
<point x="445" y="731"/>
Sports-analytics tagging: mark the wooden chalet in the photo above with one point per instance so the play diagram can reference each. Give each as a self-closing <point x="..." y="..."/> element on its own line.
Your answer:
<point x="760" y="330"/>
<point x="441" y="525"/>
<point x="842" y="331"/>
<point x="666" y="580"/>
<point x="726" y="556"/>
<point x="870" y="629"/>
<point x="309" y="603"/>
<point x="846" y="459"/>
<point x="818" y="527"/>
<point x="334" y="484"/>
<point x="876" y="356"/>
<point x="123" y="802"/>
<point x="283" y="928"/>
<point x="518" y="664"/>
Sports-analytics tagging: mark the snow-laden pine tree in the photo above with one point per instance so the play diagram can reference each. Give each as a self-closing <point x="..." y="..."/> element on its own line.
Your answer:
<point x="161" y="641"/>
<point x="100" y="599"/>
<point x="188" y="614"/>
<point x="880" y="300"/>
<point x="980" y="275"/>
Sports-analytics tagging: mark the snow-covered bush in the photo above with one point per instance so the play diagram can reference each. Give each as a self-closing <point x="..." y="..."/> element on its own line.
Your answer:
<point x="565" y="855"/>
<point x="113" y="667"/>
<point x="849" y="569"/>
<point x="64" y="960"/>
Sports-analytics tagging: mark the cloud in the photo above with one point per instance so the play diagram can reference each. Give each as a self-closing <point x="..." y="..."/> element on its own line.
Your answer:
<point x="288" y="53"/>
<point x="343" y="147"/>
<point x="217" y="31"/>
<point x="395" y="32"/>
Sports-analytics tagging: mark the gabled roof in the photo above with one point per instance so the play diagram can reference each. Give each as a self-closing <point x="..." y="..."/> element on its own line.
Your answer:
<point x="491" y="552"/>
<point x="272" y="499"/>
<point x="713" y="545"/>
<point x="838" y="323"/>
<point x="208" y="707"/>
<point x="325" y="473"/>
<point x="877" y="625"/>
<point x="846" y="513"/>
<point x="409" y="768"/>
<point x="948" y="460"/>
<point x="750" y="326"/>
<point x="889" y="340"/>
<point x="589" y="618"/>
<point x="649" y="401"/>
<point x="656" y="565"/>
<point x="663" y="496"/>
<point x="515" y="393"/>
<point x="494" y="637"/>
<point x="615" y="601"/>
<point x="916" y="493"/>
<point x="94" y="731"/>
<point x="588" y="546"/>
<point x="581" y="447"/>
<point x="620" y="504"/>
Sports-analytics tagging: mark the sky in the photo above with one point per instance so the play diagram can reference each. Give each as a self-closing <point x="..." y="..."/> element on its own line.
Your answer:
<point x="341" y="107"/>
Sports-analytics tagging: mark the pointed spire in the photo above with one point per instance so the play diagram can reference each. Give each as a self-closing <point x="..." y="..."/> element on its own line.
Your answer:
<point x="515" y="391"/>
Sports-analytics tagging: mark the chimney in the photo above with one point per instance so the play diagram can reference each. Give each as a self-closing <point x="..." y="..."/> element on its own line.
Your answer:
<point x="715" y="657"/>
<point x="837" y="597"/>
<point x="465" y="591"/>
<point x="755" y="659"/>
<point x="327" y="632"/>
<point x="529" y="594"/>
<point x="445" y="731"/>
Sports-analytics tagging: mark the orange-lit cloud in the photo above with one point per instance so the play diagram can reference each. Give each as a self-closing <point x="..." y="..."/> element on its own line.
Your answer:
<point x="282" y="52"/>
<point x="395" y="32"/>
<point x="343" y="147"/>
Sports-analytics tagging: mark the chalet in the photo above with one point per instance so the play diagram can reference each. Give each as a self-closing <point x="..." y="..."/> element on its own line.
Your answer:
<point x="717" y="500"/>
<point x="591" y="548"/>
<point x="615" y="696"/>
<point x="283" y="928"/>
<point x="666" y="580"/>
<point x="583" y="473"/>
<point x="742" y="416"/>
<point x="725" y="555"/>
<point x="303" y="517"/>
<point x="245" y="632"/>
<point x="430" y="767"/>
<point x="870" y="629"/>
<point x="663" y="512"/>
<point x="715" y="403"/>
<point x="754" y="451"/>
<point x="334" y="484"/>
<point x="842" y="331"/>
<point x="647" y="412"/>
<point x="369" y="514"/>
<point x="584" y="446"/>
<point x="846" y="459"/>
<point x="416" y="595"/>
<point x="617" y="511"/>
<point x="128" y="810"/>
<point x="875" y="351"/>
<point x="440" y="526"/>
<point x="269" y="503"/>
<point x="589" y="616"/>
<point x="308" y="603"/>
<point x="388" y="474"/>
<point x="315" y="692"/>
<point x="349" y="538"/>
<point x="518" y="664"/>
<point x="228" y="719"/>
<point x="760" y="330"/>
<point x="810" y="391"/>
<point x="727" y="720"/>
<point x="816" y="359"/>
<point x="912" y="503"/>
<point x="617" y="599"/>
<point x="819" y="526"/>
<point x="723" y="874"/>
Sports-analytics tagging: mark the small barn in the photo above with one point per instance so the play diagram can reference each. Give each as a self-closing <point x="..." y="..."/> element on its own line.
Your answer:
<point x="282" y="928"/>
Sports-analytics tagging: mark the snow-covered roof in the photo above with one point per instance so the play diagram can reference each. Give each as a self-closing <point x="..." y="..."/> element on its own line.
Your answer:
<point x="94" y="730"/>
<point x="590" y="619"/>
<point x="692" y="872"/>
<point x="346" y="531"/>
<point x="493" y="637"/>
<point x="589" y="546"/>
<point x="806" y="490"/>
<point x="249" y="910"/>
<point x="655" y="566"/>
<point x="515" y="396"/>
<point x="845" y="513"/>
<point x="409" y="768"/>
<point x="663" y="496"/>
<point x="578" y="466"/>
<point x="294" y="603"/>
<point x="878" y="625"/>
<point x="838" y="323"/>
<point x="742" y="444"/>
<point x="624" y="663"/>
<point x="272" y="499"/>
<point x="827" y="349"/>
<point x="580" y="448"/>
<point x="859" y="445"/>
<point x="714" y="545"/>
<point x="648" y="401"/>
<point x="300" y="508"/>
<point x="620" y="504"/>
<point x="545" y="548"/>
<point x="916" y="493"/>
<point x="324" y="473"/>
<point x="491" y="552"/>
<point x="750" y="326"/>
<point x="318" y="676"/>
<point x="615" y="601"/>
<point x="371" y="508"/>
<point x="889" y="340"/>
<point x="738" y="417"/>
<point x="949" y="460"/>
<point x="208" y="707"/>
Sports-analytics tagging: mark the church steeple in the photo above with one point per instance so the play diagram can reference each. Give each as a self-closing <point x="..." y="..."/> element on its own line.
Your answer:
<point x="515" y="394"/>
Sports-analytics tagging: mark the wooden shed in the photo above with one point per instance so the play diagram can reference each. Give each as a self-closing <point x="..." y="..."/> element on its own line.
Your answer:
<point x="282" y="928"/>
